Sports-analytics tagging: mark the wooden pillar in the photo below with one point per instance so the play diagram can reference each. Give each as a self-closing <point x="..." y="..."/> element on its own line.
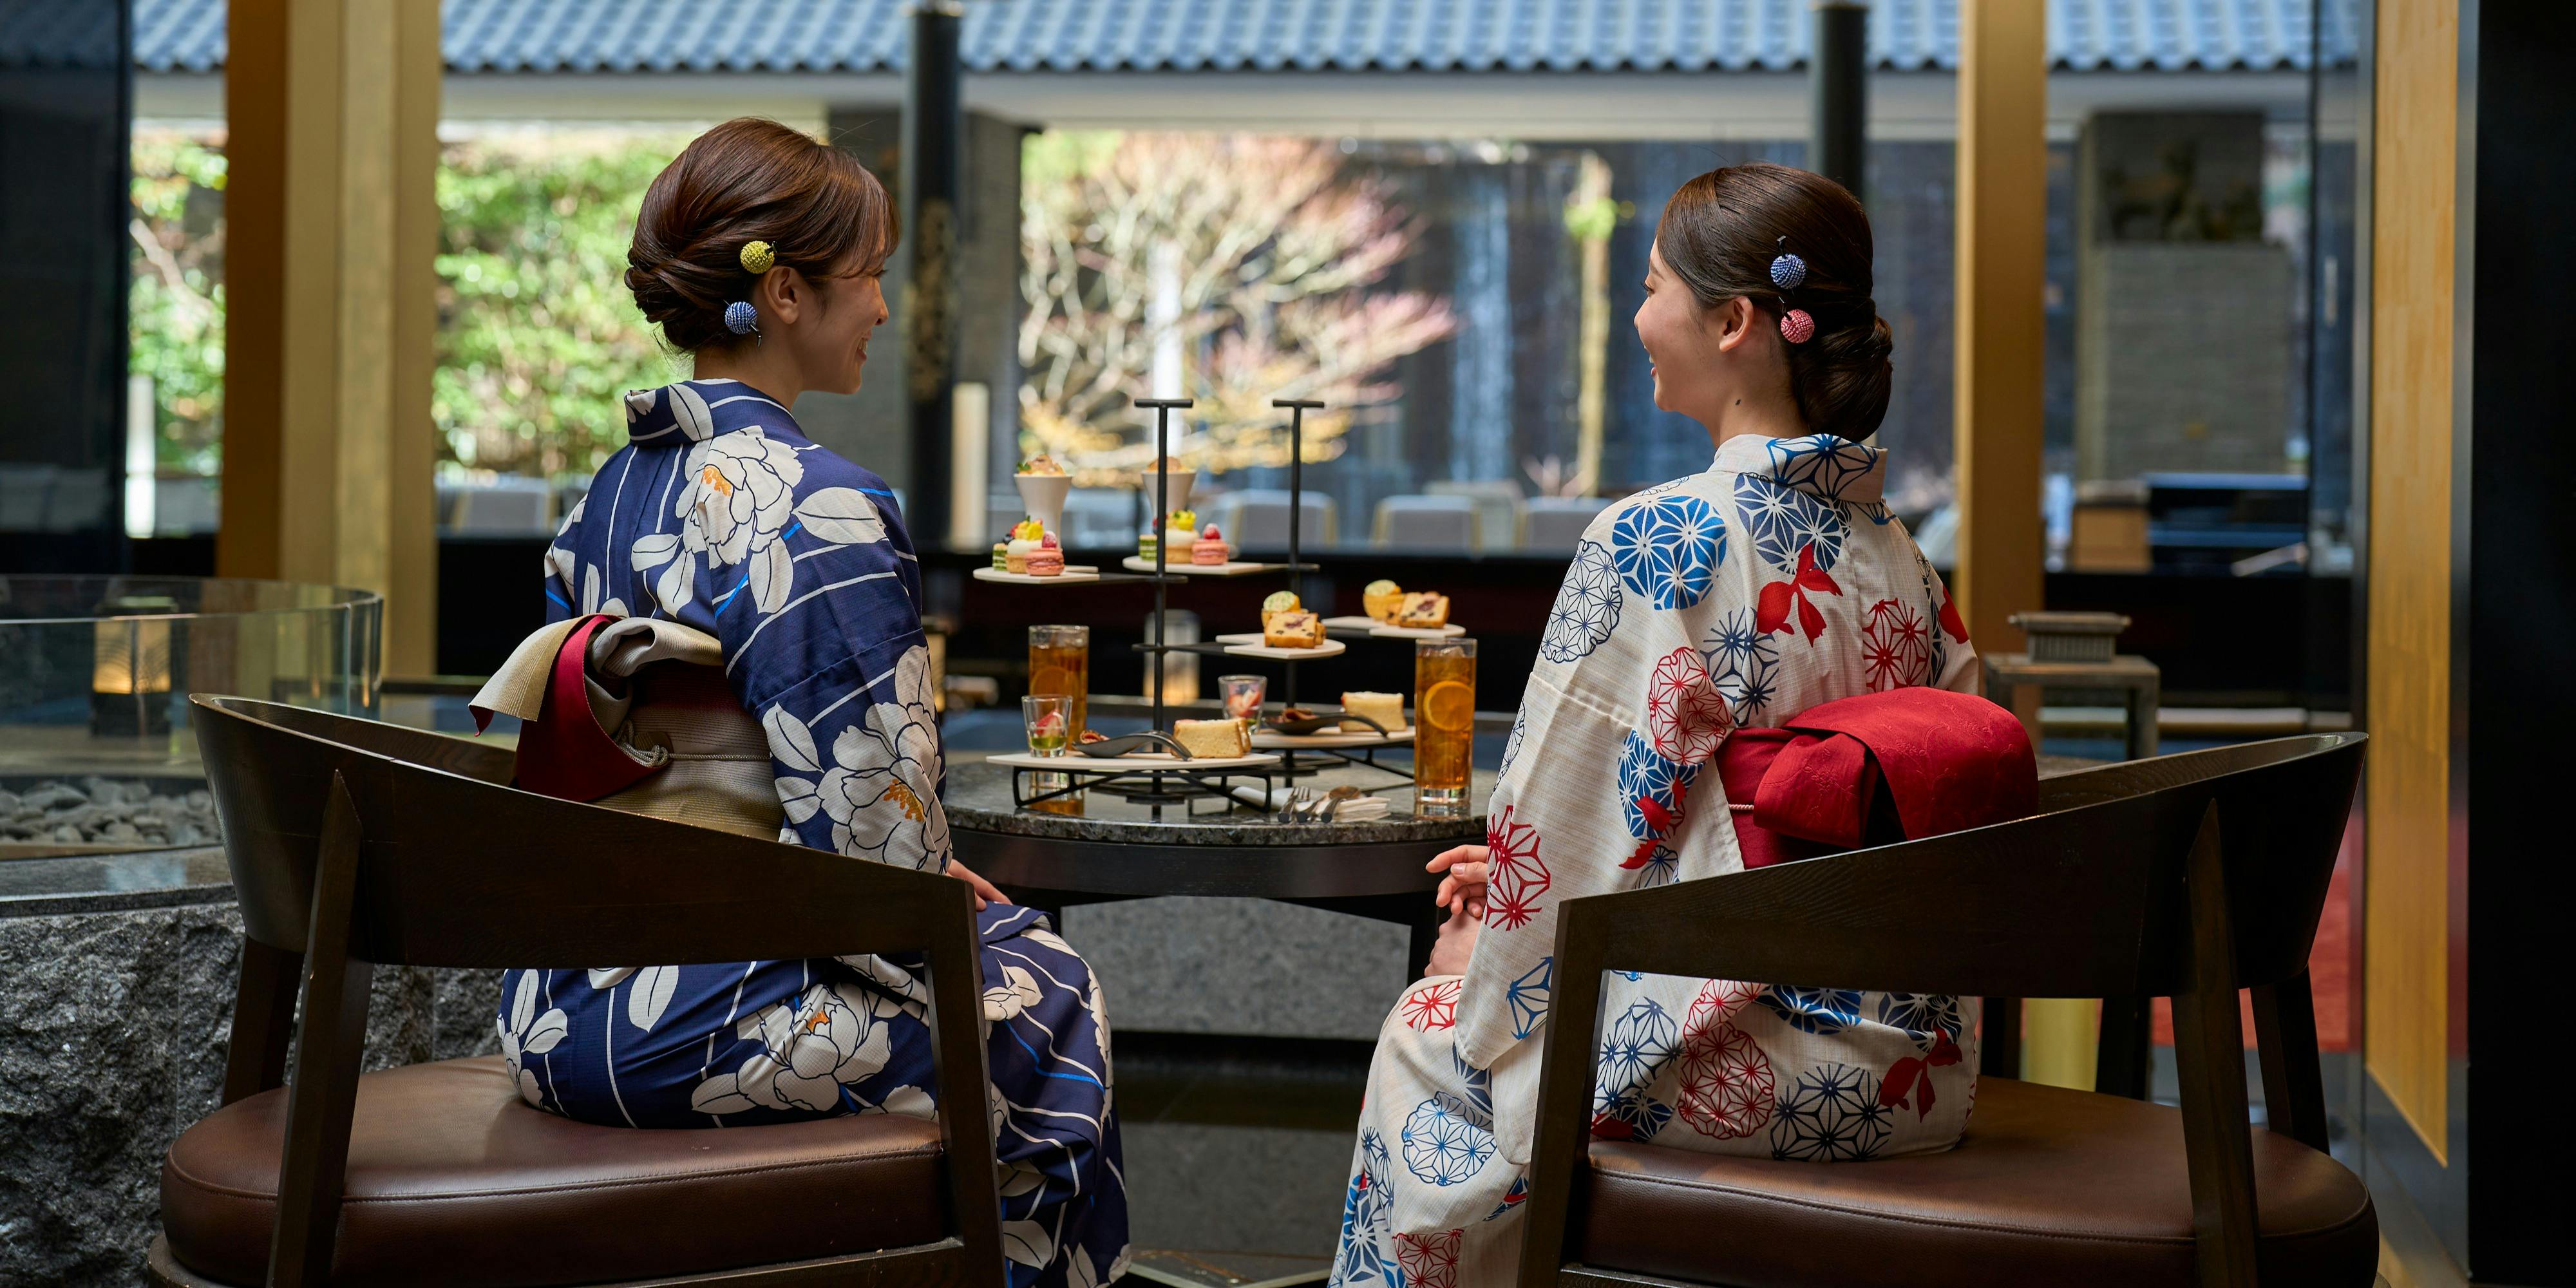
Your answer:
<point x="2002" y="246"/>
<point x="1997" y="421"/>
<point x="331" y="228"/>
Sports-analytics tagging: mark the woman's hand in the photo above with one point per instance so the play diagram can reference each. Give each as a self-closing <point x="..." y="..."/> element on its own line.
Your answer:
<point x="1464" y="886"/>
<point x="984" y="891"/>
<point x="1457" y="942"/>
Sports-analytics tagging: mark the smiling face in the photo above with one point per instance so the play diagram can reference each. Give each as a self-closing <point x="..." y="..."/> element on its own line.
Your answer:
<point x="825" y="323"/>
<point x="1704" y="359"/>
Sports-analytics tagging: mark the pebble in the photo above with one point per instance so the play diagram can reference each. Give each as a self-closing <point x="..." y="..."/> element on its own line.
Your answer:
<point x="104" y="811"/>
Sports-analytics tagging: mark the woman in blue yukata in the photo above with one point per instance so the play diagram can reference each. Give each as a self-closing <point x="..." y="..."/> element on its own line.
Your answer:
<point x="759" y="251"/>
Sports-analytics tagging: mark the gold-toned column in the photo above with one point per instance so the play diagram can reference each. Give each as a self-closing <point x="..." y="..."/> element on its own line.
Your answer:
<point x="331" y="227"/>
<point x="2414" y="226"/>
<point x="2002" y="246"/>
<point x="1997" y="419"/>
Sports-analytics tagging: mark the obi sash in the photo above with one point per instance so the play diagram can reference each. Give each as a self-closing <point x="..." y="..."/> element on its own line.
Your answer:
<point x="1883" y="767"/>
<point x="635" y="714"/>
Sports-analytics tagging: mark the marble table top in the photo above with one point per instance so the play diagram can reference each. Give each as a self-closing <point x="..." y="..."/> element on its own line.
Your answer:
<point x="978" y="799"/>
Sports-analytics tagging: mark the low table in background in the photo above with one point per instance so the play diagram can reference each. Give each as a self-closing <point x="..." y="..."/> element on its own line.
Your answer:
<point x="1116" y="851"/>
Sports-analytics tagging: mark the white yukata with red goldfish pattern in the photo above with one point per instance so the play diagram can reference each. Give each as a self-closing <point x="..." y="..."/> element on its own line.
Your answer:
<point x="1740" y="596"/>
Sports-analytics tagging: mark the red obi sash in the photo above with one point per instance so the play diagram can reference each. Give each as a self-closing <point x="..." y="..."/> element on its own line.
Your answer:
<point x="1900" y="765"/>
<point x="564" y="752"/>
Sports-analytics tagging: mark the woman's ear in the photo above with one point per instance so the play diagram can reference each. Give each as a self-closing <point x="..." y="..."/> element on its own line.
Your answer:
<point x="1734" y="321"/>
<point x="783" y="293"/>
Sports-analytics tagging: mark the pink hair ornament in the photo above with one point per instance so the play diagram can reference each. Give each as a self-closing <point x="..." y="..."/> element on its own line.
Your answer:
<point x="1796" y="327"/>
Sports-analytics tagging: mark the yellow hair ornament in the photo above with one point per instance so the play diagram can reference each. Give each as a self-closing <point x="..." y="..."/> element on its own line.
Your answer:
<point x="756" y="257"/>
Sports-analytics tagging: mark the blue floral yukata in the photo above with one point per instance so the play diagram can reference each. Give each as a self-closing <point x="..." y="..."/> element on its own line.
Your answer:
<point x="720" y="514"/>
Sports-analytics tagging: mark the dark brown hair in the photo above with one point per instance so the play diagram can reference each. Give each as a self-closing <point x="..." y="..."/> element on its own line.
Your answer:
<point x="743" y="181"/>
<point x="1719" y="235"/>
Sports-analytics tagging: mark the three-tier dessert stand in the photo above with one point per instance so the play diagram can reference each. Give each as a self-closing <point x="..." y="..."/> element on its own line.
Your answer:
<point x="1179" y="782"/>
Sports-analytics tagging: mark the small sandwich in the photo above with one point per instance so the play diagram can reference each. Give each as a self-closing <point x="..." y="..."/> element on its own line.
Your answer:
<point x="1424" y="609"/>
<point x="1381" y="599"/>
<point x="1048" y="559"/>
<point x="1217" y="738"/>
<point x="1387" y="709"/>
<point x="1296" y="628"/>
<point x="1280" y="601"/>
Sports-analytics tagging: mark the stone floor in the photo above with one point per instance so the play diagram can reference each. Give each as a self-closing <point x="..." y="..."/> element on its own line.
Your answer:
<point x="1238" y="1152"/>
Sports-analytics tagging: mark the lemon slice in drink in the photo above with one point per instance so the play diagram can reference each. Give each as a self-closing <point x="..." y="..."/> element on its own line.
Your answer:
<point x="1449" y="706"/>
<point x="1053" y="679"/>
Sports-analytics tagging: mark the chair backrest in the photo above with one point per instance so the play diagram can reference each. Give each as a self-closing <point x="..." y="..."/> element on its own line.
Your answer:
<point x="1499" y="506"/>
<point x="1437" y="523"/>
<point x="457" y="869"/>
<point x="1257" y="519"/>
<point x="354" y="843"/>
<point x="2103" y="861"/>
<point x="2187" y="876"/>
<point x="1557" y="522"/>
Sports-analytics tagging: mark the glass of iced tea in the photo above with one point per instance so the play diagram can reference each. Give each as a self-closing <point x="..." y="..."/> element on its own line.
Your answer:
<point x="1444" y="720"/>
<point x="1060" y="663"/>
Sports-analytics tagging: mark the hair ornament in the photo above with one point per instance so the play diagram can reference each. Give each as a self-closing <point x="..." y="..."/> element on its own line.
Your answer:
<point x="1788" y="272"/>
<point x="1796" y="327"/>
<point x="756" y="258"/>
<point x="742" y="319"/>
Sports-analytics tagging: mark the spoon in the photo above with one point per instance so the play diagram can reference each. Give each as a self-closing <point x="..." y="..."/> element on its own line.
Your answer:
<point x="1133" y="742"/>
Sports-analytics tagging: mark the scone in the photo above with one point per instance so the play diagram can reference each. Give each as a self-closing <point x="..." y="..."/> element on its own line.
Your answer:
<point x="1425" y="609"/>
<point x="1216" y="738"/>
<point x="1385" y="708"/>
<point x="1294" y="629"/>
<point x="1381" y="599"/>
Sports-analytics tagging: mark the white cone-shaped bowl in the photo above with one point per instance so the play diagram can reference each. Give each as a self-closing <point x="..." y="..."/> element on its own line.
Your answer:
<point x="1044" y="495"/>
<point x="1181" y="482"/>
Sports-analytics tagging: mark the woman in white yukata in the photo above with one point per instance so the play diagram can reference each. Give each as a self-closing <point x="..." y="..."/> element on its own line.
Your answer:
<point x="1771" y="582"/>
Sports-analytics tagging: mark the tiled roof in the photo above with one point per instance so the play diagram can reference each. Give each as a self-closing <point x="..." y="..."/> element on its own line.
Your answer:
<point x="1300" y="35"/>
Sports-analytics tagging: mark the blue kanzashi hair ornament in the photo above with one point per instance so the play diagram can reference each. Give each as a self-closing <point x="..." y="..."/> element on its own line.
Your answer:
<point x="741" y="318"/>
<point x="1788" y="271"/>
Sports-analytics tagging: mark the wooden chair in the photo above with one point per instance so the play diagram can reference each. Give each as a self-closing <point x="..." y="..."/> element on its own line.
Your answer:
<point x="354" y="844"/>
<point x="2188" y="877"/>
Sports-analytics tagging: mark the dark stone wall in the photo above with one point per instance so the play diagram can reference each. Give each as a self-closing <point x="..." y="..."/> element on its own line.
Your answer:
<point x="112" y="1035"/>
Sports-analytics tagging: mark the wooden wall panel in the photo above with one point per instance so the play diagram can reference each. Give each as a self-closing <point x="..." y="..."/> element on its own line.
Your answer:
<point x="2407" y="972"/>
<point x="2000" y="317"/>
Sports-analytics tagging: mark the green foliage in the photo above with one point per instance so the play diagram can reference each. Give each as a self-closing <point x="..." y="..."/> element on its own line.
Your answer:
<point x="176" y="296"/>
<point x="537" y="332"/>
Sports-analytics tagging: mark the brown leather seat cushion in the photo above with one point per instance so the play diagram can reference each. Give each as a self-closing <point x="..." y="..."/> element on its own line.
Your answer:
<point x="454" y="1180"/>
<point x="2048" y="1186"/>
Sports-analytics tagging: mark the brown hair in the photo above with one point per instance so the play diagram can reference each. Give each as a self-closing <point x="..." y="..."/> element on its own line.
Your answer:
<point x="1719" y="235"/>
<point x="743" y="181"/>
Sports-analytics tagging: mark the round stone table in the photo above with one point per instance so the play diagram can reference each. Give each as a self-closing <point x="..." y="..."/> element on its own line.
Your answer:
<point x="1115" y="850"/>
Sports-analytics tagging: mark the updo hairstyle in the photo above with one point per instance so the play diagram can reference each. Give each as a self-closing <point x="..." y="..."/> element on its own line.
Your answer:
<point x="1719" y="235"/>
<point x="750" y="180"/>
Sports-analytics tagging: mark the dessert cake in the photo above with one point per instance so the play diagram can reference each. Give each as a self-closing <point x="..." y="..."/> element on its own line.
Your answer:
<point x="1385" y="708"/>
<point x="1296" y="628"/>
<point x="1280" y="601"/>
<point x="1218" y="738"/>
<point x="1424" y="609"/>
<point x="1209" y="550"/>
<point x="1381" y="599"/>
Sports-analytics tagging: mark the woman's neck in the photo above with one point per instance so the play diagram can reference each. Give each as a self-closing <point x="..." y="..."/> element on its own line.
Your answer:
<point x="1775" y="417"/>
<point x="771" y="371"/>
